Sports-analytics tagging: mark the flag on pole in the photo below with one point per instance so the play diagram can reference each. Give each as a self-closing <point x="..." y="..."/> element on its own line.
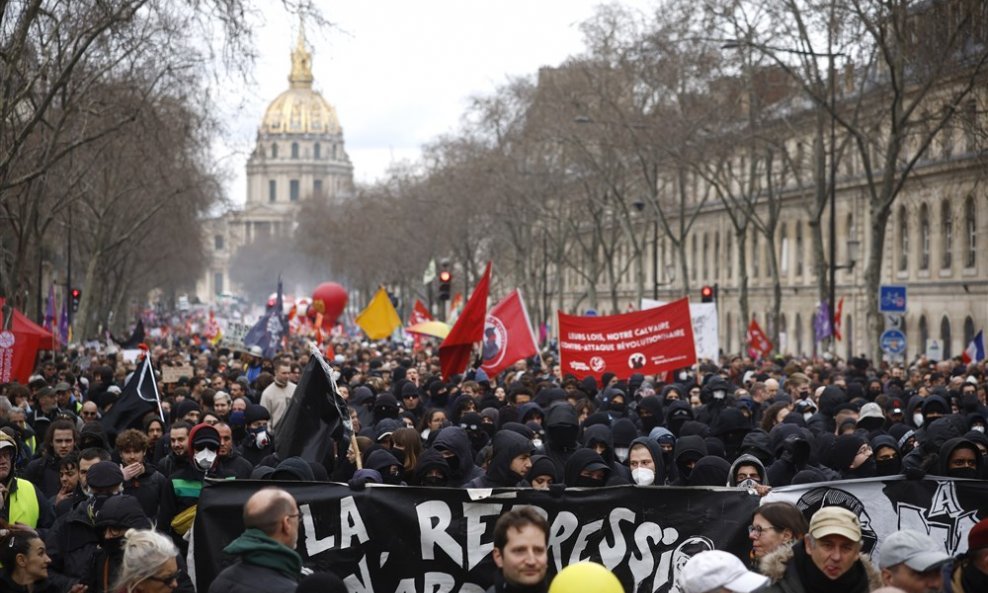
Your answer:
<point x="419" y="313"/>
<point x="49" y="323"/>
<point x="822" y="328"/>
<point x="975" y="351"/>
<point x="430" y="272"/>
<point x="454" y="352"/>
<point x="269" y="329"/>
<point x="455" y="308"/>
<point x="837" y="319"/>
<point x="316" y="417"/>
<point x="139" y="396"/>
<point x="136" y="337"/>
<point x="379" y="319"/>
<point x="759" y="345"/>
<point x="64" y="333"/>
<point x="507" y="335"/>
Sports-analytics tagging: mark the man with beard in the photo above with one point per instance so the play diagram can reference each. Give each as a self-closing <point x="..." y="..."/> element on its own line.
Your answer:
<point x="521" y="538"/>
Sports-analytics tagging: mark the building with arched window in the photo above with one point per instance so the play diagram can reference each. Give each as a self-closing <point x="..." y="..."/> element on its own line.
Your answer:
<point x="299" y="153"/>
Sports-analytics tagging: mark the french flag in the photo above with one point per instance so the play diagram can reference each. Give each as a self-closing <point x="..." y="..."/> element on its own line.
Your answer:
<point x="975" y="350"/>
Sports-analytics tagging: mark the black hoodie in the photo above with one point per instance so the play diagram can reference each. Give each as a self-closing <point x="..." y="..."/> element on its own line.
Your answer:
<point x="507" y="445"/>
<point x="656" y="451"/>
<point x="384" y="462"/>
<point x="580" y="459"/>
<point x="943" y="467"/>
<point x="455" y="440"/>
<point x="562" y="426"/>
<point x="688" y="448"/>
<point x="598" y="433"/>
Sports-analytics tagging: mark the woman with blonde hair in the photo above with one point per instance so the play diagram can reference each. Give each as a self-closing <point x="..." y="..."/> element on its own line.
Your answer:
<point x="150" y="563"/>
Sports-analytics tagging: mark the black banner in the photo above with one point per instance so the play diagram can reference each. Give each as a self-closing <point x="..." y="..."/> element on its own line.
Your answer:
<point x="404" y="539"/>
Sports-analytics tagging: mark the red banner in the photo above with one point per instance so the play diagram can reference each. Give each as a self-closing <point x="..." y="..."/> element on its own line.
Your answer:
<point x="648" y="342"/>
<point x="758" y="343"/>
<point x="507" y="335"/>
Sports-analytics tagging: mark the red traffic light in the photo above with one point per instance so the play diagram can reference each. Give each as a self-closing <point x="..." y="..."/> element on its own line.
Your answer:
<point x="75" y="293"/>
<point x="707" y="294"/>
<point x="445" y="276"/>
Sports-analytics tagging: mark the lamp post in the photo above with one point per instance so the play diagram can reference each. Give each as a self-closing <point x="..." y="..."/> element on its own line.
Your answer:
<point x="832" y="156"/>
<point x="640" y="207"/>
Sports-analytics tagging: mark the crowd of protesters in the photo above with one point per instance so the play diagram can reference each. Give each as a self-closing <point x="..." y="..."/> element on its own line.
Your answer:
<point x="756" y="425"/>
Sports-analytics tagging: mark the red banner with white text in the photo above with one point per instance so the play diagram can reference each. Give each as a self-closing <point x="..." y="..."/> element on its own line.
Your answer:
<point x="648" y="342"/>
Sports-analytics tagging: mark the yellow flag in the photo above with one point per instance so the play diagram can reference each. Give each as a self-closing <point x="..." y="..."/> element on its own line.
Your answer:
<point x="379" y="320"/>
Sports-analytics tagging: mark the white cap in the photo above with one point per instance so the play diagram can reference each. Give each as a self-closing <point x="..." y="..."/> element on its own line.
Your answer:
<point x="713" y="569"/>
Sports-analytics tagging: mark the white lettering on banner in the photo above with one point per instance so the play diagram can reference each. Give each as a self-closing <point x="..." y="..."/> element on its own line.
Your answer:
<point x="476" y="526"/>
<point x="562" y="527"/>
<point x="434" y="518"/>
<point x="351" y="526"/>
<point x="581" y="541"/>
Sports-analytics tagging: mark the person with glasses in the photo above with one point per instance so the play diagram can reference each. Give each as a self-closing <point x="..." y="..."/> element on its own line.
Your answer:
<point x="775" y="525"/>
<point x="268" y="560"/>
<point x="149" y="563"/>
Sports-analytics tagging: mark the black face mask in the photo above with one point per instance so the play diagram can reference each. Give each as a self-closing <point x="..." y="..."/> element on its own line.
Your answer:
<point x="963" y="472"/>
<point x="888" y="467"/>
<point x="867" y="469"/>
<point x="434" y="481"/>
<point x="478" y="439"/>
<point x="393" y="478"/>
<point x="113" y="545"/>
<point x="648" y="423"/>
<point x="454" y="466"/>
<point x="617" y="408"/>
<point x="588" y="482"/>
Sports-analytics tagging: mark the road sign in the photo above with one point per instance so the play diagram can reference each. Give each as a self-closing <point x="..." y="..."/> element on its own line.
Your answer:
<point x="892" y="298"/>
<point x="893" y="321"/>
<point x="893" y="341"/>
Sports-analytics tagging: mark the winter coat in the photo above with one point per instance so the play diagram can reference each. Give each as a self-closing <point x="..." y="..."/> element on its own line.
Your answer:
<point x="786" y="578"/>
<point x="148" y="488"/>
<point x="507" y="446"/>
<point x="455" y="439"/>
<point x="656" y="451"/>
<point x="747" y="460"/>
<point x="265" y="565"/>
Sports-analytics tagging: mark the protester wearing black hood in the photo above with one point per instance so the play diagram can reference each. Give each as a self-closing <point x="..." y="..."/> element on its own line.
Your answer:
<point x="888" y="459"/>
<point x="792" y="453"/>
<point x="689" y="449"/>
<point x="562" y="427"/>
<point x="717" y="395"/>
<point x="510" y="463"/>
<point x="454" y="445"/>
<point x="677" y="413"/>
<point x="960" y="458"/>
<point x="586" y="469"/>
<point x="431" y="470"/>
<point x="600" y="438"/>
<point x="649" y="413"/>
<point x="646" y="463"/>
<point x="852" y="457"/>
<point x="543" y="473"/>
<point x="823" y="421"/>
<point x="709" y="471"/>
<point x="387" y="465"/>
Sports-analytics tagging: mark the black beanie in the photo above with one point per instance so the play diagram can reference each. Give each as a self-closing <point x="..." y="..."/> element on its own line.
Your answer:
<point x="844" y="450"/>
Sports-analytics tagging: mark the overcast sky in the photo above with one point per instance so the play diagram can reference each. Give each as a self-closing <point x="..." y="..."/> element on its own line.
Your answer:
<point x="399" y="73"/>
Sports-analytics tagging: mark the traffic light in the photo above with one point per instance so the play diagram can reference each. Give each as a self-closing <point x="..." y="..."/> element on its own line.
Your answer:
<point x="445" y="279"/>
<point x="76" y="295"/>
<point x="707" y="294"/>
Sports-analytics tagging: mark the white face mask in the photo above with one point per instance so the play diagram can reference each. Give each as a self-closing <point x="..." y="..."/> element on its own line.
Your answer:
<point x="978" y="427"/>
<point x="918" y="419"/>
<point x="205" y="458"/>
<point x="720" y="394"/>
<point x="537" y="443"/>
<point x="747" y="484"/>
<point x="621" y="453"/>
<point x="262" y="439"/>
<point x="807" y="416"/>
<point x="643" y="476"/>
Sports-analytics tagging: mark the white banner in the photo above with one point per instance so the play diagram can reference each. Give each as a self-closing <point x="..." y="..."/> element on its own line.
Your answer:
<point x="705" y="327"/>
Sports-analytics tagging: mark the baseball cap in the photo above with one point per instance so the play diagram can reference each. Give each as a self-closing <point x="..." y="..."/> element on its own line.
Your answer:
<point x="916" y="550"/>
<point x="834" y="520"/>
<point x="713" y="569"/>
<point x="63" y="386"/>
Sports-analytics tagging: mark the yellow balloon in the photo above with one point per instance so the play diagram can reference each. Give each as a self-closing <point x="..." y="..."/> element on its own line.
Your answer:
<point x="585" y="577"/>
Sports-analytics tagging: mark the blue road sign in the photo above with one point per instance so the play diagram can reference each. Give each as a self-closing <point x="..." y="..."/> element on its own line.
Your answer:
<point x="892" y="298"/>
<point x="893" y="341"/>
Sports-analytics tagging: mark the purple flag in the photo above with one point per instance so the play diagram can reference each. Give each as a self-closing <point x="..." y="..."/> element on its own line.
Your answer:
<point x="50" y="310"/>
<point x="822" y="326"/>
<point x="63" y="322"/>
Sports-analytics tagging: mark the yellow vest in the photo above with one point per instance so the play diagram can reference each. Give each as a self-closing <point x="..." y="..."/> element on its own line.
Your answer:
<point x="23" y="505"/>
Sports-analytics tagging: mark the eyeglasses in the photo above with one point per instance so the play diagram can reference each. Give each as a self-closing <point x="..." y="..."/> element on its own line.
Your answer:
<point x="167" y="579"/>
<point x="758" y="530"/>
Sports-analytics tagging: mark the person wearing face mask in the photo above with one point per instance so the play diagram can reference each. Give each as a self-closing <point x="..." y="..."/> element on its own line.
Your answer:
<point x="178" y="505"/>
<point x="689" y="450"/>
<point x="454" y="445"/>
<point x="649" y="413"/>
<point x="431" y="470"/>
<point x="851" y="456"/>
<point x="258" y="443"/>
<point x="391" y="470"/>
<point x="748" y="472"/>
<point x="543" y="473"/>
<point x="561" y="428"/>
<point x="600" y="438"/>
<point x="645" y="462"/>
<point x="586" y="469"/>
<point x="888" y="460"/>
<point x="511" y="461"/>
<point x="667" y="444"/>
<point x="959" y="458"/>
<point x="74" y="538"/>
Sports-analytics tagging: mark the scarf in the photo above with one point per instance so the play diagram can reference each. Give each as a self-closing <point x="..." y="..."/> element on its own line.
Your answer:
<point x="973" y="579"/>
<point x="855" y="580"/>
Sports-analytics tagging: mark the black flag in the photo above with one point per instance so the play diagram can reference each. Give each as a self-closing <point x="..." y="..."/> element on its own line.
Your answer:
<point x="139" y="396"/>
<point x="135" y="338"/>
<point x="269" y="329"/>
<point x="316" y="416"/>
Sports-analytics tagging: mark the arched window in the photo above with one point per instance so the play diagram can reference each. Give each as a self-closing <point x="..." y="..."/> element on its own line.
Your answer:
<point x="924" y="333"/>
<point x="812" y="335"/>
<point x="903" y="239"/>
<point x="946" y="235"/>
<point x="798" y="346"/>
<point x="970" y="233"/>
<point x="848" y="331"/>
<point x="274" y="150"/>
<point x="945" y="336"/>
<point x="784" y="346"/>
<point x="924" y="237"/>
<point x="783" y="251"/>
<point x="754" y="255"/>
<point x="729" y="253"/>
<point x="317" y="151"/>
<point x="294" y="150"/>
<point x="968" y="331"/>
<point x="716" y="264"/>
<point x="799" y="248"/>
<point x="729" y="339"/>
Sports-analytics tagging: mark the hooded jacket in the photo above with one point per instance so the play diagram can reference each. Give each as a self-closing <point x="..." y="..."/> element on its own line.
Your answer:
<point x="507" y="445"/>
<point x="382" y="460"/>
<point x="580" y="459"/>
<point x="709" y="471"/>
<point x="604" y="435"/>
<point x="430" y="459"/>
<point x="562" y="425"/>
<point x="656" y="452"/>
<point x="265" y="565"/>
<point x="747" y="460"/>
<point x="463" y="469"/>
<point x="687" y="448"/>
<point x="942" y="466"/>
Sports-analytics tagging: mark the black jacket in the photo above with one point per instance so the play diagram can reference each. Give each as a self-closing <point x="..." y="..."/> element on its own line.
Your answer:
<point x="148" y="488"/>
<point x="507" y="445"/>
<point x="43" y="473"/>
<point x="455" y="439"/>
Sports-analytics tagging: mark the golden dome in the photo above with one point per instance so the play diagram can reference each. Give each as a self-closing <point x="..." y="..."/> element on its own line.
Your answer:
<point x="300" y="110"/>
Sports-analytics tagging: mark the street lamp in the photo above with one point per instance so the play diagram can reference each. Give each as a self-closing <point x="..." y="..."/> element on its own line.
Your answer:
<point x="832" y="154"/>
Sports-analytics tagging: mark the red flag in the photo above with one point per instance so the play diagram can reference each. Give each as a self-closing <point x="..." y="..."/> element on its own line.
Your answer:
<point x="758" y="343"/>
<point x="419" y="313"/>
<point x="507" y="335"/>
<point x="454" y="352"/>
<point x="837" y="318"/>
<point x="649" y="342"/>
